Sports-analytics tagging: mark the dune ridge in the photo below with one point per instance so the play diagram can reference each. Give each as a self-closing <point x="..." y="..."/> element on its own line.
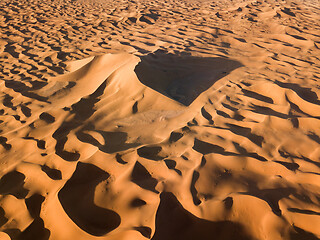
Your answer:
<point x="159" y="120"/>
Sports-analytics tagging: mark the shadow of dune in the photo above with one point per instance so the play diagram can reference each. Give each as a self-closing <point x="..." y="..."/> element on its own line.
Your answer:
<point x="303" y="211"/>
<point x="3" y="219"/>
<point x="174" y="222"/>
<point x="82" y="110"/>
<point x="193" y="190"/>
<point x="36" y="230"/>
<point x="77" y="199"/>
<point x="26" y="91"/>
<point x="208" y="148"/>
<point x="305" y="93"/>
<point x="182" y="77"/>
<point x="12" y="183"/>
<point x="271" y="196"/>
<point x="300" y="234"/>
<point x="143" y="178"/>
<point x="115" y="141"/>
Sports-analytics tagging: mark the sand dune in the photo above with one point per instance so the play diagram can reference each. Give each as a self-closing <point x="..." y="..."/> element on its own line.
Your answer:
<point x="159" y="120"/>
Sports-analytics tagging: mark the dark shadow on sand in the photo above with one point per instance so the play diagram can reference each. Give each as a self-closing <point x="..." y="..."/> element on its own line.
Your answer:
<point x="182" y="77"/>
<point x="174" y="222"/>
<point x="77" y="199"/>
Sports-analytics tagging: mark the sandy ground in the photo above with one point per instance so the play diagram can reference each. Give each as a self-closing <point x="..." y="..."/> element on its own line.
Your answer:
<point x="163" y="120"/>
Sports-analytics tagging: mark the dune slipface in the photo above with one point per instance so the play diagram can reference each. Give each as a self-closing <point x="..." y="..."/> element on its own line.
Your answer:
<point x="159" y="120"/>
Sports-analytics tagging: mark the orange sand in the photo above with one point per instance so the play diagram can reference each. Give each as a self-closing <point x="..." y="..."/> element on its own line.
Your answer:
<point x="162" y="120"/>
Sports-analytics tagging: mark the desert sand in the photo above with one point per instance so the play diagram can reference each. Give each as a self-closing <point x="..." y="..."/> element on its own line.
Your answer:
<point x="162" y="120"/>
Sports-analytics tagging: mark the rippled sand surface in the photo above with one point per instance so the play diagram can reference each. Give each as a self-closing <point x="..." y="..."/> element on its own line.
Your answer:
<point x="162" y="120"/>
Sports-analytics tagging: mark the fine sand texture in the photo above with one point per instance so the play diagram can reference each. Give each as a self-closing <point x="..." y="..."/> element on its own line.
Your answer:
<point x="162" y="120"/>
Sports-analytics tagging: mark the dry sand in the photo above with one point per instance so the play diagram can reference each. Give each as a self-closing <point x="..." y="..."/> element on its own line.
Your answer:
<point x="167" y="120"/>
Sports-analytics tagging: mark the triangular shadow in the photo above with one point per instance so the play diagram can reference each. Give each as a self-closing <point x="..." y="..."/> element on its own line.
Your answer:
<point x="181" y="76"/>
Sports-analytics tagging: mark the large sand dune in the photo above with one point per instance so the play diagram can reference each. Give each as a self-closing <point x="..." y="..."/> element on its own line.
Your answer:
<point x="127" y="120"/>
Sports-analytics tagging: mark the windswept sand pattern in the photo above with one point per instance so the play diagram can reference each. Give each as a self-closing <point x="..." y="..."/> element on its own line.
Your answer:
<point x="159" y="120"/>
